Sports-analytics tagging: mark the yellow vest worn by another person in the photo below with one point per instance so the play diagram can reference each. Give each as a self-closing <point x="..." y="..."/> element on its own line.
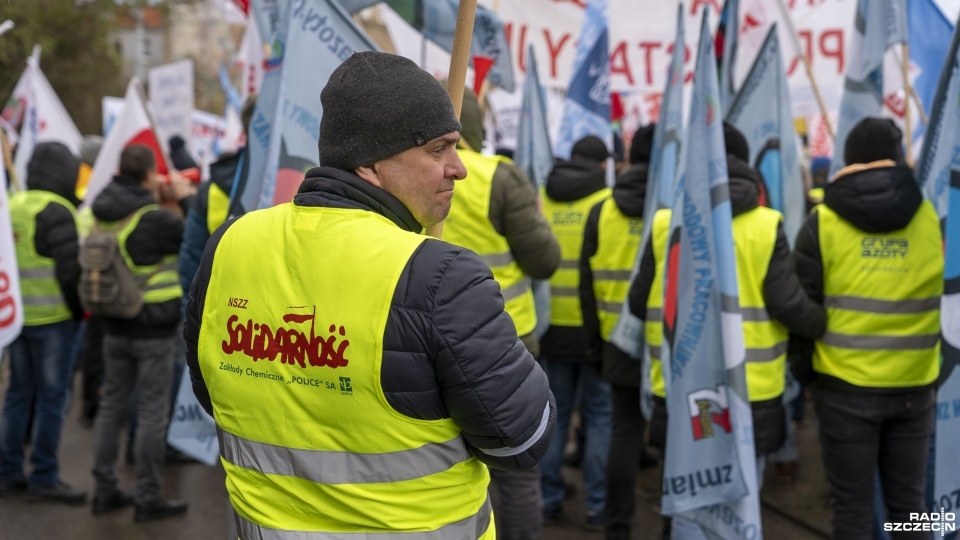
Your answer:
<point x="43" y="301"/>
<point x="882" y="295"/>
<point x="468" y="225"/>
<point x="160" y="282"/>
<point x="218" y="207"/>
<point x="618" y="241"/>
<point x="765" y="340"/>
<point x="292" y="363"/>
<point x="567" y="221"/>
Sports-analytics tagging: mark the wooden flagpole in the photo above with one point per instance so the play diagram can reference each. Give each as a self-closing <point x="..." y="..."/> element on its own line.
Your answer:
<point x="785" y="15"/>
<point x="459" y="60"/>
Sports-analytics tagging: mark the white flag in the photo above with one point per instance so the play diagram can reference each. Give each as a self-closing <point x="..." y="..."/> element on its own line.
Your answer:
<point x="11" y="305"/>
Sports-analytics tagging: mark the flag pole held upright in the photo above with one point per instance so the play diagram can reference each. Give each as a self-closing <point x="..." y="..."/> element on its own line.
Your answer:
<point x="459" y="59"/>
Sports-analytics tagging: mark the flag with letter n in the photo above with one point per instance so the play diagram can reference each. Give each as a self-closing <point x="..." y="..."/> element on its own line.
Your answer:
<point x="710" y="475"/>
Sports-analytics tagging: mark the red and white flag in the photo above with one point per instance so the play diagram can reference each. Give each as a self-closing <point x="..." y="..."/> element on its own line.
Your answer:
<point x="11" y="304"/>
<point x="132" y="127"/>
<point x="250" y="59"/>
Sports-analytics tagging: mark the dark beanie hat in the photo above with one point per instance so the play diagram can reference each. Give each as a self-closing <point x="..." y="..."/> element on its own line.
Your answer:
<point x="376" y="105"/>
<point x="642" y="144"/>
<point x="590" y="147"/>
<point x="181" y="158"/>
<point x="873" y="139"/>
<point x="736" y="143"/>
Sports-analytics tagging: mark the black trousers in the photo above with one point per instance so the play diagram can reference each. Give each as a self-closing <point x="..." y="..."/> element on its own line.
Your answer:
<point x="626" y="444"/>
<point x="861" y="433"/>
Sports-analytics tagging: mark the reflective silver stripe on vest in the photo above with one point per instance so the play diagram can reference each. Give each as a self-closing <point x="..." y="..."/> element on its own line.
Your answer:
<point x="655" y="314"/>
<point x="325" y="467"/>
<point x="873" y="305"/>
<point x="612" y="307"/>
<point x="42" y="300"/>
<point x="564" y="291"/>
<point x="569" y="264"/>
<point x="161" y="285"/>
<point x="729" y="304"/>
<point x="512" y="451"/>
<point x="766" y="355"/>
<point x="516" y="290"/>
<point x="755" y="314"/>
<point x="471" y="527"/>
<point x="656" y="351"/>
<point x="497" y="259"/>
<point x="612" y="275"/>
<point x="879" y="343"/>
<point x="37" y="273"/>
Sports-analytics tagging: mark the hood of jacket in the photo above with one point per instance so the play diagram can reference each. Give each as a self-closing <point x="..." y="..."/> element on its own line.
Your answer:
<point x="876" y="197"/>
<point x="224" y="170"/>
<point x="334" y="188"/>
<point x="123" y="196"/>
<point x="745" y="184"/>
<point x="54" y="168"/>
<point x="630" y="191"/>
<point x="572" y="180"/>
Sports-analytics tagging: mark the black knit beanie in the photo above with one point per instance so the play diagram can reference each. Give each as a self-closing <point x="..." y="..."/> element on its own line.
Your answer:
<point x="590" y="147"/>
<point x="736" y="143"/>
<point x="376" y="105"/>
<point x="873" y="139"/>
<point x="641" y="146"/>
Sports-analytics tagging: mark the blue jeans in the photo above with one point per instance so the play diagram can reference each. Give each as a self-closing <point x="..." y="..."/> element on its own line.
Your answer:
<point x="41" y="368"/>
<point x="595" y="406"/>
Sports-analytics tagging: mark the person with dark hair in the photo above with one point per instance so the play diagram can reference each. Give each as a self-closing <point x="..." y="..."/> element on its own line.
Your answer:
<point x="611" y="240"/>
<point x="496" y="215"/>
<point x="138" y="352"/>
<point x="399" y="377"/>
<point x="41" y="358"/>
<point x="772" y="301"/>
<point x="573" y="187"/>
<point x="872" y="254"/>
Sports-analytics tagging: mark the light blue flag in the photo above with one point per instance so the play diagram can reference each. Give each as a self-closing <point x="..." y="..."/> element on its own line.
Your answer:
<point x="938" y="171"/>
<point x="534" y="156"/>
<point x="270" y="17"/>
<point x="233" y="97"/>
<point x="878" y="24"/>
<point x="929" y="36"/>
<point x="317" y="37"/>
<point x="730" y="23"/>
<point x="192" y="431"/>
<point x="762" y="111"/>
<point x="710" y="474"/>
<point x="586" y="110"/>
<point x="628" y="333"/>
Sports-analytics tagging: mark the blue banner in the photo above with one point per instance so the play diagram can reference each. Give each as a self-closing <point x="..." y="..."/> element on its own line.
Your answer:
<point x="534" y="156"/>
<point x="877" y="25"/>
<point x="730" y="30"/>
<point x="929" y="36"/>
<point x="938" y="172"/>
<point x="710" y="474"/>
<point x="586" y="110"/>
<point x="317" y="37"/>
<point x="762" y="111"/>
<point x="665" y="155"/>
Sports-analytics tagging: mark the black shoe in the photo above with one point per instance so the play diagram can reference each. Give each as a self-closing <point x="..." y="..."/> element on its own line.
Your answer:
<point x="594" y="521"/>
<point x="176" y="457"/>
<point x="12" y="488"/>
<point x="108" y="502"/>
<point x="159" y="509"/>
<point x="552" y="515"/>
<point x="59" y="492"/>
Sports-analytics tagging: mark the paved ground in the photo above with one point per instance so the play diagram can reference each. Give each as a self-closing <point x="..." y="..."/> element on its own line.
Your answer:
<point x="791" y="511"/>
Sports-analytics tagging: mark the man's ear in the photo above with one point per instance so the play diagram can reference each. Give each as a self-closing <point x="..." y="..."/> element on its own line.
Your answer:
<point x="369" y="173"/>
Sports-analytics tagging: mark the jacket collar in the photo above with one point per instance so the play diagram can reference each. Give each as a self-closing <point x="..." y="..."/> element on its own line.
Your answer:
<point x="334" y="188"/>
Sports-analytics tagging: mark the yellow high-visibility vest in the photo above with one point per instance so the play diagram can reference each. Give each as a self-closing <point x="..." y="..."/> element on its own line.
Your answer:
<point x="161" y="281"/>
<point x="468" y="225"/>
<point x="218" y="207"/>
<point x="882" y="294"/>
<point x="567" y="220"/>
<point x="292" y="363"/>
<point x="43" y="301"/>
<point x="618" y="241"/>
<point x="653" y="325"/>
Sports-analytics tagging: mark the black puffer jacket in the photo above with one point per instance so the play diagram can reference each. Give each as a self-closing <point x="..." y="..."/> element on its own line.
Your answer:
<point x="783" y="296"/>
<point x="156" y="236"/>
<point x="879" y="197"/>
<point x="629" y="194"/>
<point x="570" y="180"/>
<point x="54" y="168"/>
<point x="449" y="348"/>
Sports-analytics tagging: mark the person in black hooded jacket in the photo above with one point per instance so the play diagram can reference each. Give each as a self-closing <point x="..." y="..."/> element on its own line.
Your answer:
<point x="41" y="360"/>
<point x="784" y="298"/>
<point x="872" y="255"/>
<point x="139" y="352"/>
<point x="603" y="274"/>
